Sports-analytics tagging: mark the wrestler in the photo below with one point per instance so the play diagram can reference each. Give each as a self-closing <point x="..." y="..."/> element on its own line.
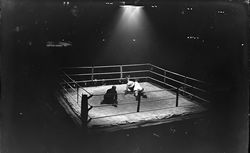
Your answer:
<point x="110" y="97"/>
<point x="134" y="87"/>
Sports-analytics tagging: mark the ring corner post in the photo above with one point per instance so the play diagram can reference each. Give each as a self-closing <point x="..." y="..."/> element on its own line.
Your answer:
<point x="139" y="101"/>
<point x="177" y="97"/>
<point x="84" y="111"/>
<point x="77" y="94"/>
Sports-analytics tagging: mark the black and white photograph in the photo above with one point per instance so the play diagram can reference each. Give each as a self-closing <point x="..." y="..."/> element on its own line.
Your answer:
<point x="124" y="76"/>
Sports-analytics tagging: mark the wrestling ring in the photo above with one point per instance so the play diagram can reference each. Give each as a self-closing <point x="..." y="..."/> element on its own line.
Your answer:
<point x="169" y="95"/>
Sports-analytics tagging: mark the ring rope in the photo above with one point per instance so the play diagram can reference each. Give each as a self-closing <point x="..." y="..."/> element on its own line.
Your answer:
<point x="178" y="74"/>
<point x="179" y="82"/>
<point x="185" y="106"/>
<point x="76" y="83"/>
<point x="108" y="79"/>
<point x="122" y="93"/>
<point x="69" y="85"/>
<point x="108" y="105"/>
<point x="104" y="73"/>
<point x="71" y="105"/>
<point x="89" y="67"/>
<point x="73" y="89"/>
<point x="80" y="96"/>
<point x="202" y="90"/>
<point x="73" y="81"/>
<point x="135" y="102"/>
<point x="141" y="71"/>
<point x="194" y="95"/>
<point x="162" y="82"/>
<point x="147" y="92"/>
<point x="71" y="96"/>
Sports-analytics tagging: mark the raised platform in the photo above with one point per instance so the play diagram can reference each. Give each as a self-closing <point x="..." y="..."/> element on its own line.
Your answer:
<point x="160" y="104"/>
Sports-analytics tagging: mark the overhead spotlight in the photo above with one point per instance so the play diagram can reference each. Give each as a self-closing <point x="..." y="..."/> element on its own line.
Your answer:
<point x="131" y="4"/>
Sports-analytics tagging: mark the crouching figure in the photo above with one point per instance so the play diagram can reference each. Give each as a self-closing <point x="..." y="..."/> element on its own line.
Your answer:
<point x="110" y="97"/>
<point x="134" y="87"/>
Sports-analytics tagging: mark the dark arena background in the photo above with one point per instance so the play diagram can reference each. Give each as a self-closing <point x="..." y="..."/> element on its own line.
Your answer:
<point x="191" y="58"/>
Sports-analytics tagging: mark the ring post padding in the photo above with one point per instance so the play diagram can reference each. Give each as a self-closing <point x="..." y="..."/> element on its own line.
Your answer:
<point x="139" y="101"/>
<point x="177" y="96"/>
<point x="84" y="110"/>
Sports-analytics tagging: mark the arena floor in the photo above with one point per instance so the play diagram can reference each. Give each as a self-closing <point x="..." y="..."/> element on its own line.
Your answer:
<point x="159" y="104"/>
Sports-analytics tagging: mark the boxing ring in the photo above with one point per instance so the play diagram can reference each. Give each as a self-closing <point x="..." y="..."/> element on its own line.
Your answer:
<point x="169" y="95"/>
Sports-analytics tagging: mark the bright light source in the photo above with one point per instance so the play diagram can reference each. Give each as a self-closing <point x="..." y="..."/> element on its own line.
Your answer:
<point x="131" y="14"/>
<point x="131" y="33"/>
<point x="131" y="6"/>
